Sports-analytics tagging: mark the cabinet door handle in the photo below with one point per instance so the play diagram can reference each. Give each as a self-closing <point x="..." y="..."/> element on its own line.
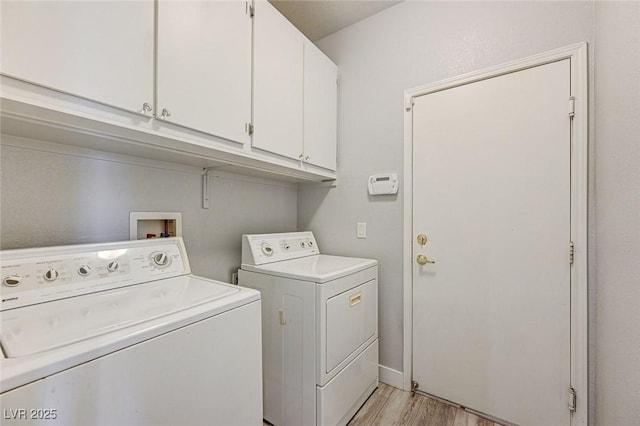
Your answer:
<point x="307" y="158"/>
<point x="146" y="108"/>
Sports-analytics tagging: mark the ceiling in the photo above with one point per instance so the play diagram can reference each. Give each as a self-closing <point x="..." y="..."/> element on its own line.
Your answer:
<point x="320" y="18"/>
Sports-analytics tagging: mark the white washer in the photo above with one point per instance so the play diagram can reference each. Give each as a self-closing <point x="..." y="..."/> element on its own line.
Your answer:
<point x="320" y="328"/>
<point x="123" y="333"/>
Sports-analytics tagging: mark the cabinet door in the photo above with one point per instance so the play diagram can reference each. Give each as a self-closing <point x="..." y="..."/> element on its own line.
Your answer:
<point x="101" y="51"/>
<point x="204" y="66"/>
<point x="277" y="91"/>
<point x="320" y="108"/>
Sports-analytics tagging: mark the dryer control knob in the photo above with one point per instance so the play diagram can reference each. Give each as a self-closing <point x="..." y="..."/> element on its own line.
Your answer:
<point x="12" y="280"/>
<point x="112" y="266"/>
<point x="267" y="249"/>
<point x="161" y="259"/>
<point x="51" y="275"/>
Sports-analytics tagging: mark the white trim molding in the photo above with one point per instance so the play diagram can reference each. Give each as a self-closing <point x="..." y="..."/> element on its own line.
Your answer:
<point x="390" y="376"/>
<point x="577" y="53"/>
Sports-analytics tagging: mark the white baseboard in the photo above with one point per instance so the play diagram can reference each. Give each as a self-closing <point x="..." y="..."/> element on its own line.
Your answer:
<point x="390" y="376"/>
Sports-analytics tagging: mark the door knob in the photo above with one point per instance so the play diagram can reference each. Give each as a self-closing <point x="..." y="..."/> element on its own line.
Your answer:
<point x="423" y="260"/>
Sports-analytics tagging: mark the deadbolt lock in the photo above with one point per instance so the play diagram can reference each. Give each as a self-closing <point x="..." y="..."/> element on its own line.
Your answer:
<point x="422" y="239"/>
<point x="423" y="260"/>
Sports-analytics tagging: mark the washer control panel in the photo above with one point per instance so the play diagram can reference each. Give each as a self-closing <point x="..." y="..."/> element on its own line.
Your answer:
<point x="258" y="249"/>
<point x="44" y="274"/>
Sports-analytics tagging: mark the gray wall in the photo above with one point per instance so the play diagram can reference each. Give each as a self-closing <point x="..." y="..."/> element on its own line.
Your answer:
<point x="54" y="198"/>
<point x="415" y="43"/>
<point x="617" y="200"/>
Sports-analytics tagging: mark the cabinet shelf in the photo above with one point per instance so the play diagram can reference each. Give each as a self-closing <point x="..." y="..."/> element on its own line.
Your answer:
<point x="28" y="118"/>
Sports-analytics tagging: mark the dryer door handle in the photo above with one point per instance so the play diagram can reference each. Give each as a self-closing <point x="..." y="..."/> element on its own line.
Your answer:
<point x="355" y="299"/>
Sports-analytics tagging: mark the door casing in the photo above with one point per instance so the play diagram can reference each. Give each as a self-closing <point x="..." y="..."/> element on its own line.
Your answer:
<point x="577" y="53"/>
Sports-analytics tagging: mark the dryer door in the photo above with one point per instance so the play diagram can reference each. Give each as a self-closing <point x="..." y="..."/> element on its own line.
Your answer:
<point x="351" y="322"/>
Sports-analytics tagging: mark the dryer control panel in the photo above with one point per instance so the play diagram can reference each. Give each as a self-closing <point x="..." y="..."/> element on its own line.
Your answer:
<point x="258" y="249"/>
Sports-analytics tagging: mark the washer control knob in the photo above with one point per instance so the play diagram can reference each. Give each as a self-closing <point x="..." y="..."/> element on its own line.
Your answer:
<point x="287" y="246"/>
<point x="51" y="275"/>
<point x="12" y="280"/>
<point x="161" y="259"/>
<point x="310" y="243"/>
<point x="112" y="266"/>
<point x="84" y="270"/>
<point x="267" y="249"/>
<point x="302" y="244"/>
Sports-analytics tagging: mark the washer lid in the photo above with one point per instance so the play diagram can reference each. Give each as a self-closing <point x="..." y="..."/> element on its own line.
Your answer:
<point x="320" y="268"/>
<point x="46" y="326"/>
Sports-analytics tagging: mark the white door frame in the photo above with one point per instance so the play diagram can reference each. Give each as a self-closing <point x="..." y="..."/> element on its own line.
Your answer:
<point x="577" y="53"/>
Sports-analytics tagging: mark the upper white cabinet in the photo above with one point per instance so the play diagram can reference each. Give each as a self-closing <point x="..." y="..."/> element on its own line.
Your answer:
<point x="101" y="51"/>
<point x="175" y="80"/>
<point x="320" y="112"/>
<point x="204" y="66"/>
<point x="278" y="83"/>
<point x="295" y="92"/>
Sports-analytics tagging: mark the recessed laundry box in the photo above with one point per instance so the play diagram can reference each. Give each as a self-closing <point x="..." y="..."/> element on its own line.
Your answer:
<point x="320" y="328"/>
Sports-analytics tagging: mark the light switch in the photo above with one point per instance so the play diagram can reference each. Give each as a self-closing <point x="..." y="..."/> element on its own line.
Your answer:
<point x="362" y="230"/>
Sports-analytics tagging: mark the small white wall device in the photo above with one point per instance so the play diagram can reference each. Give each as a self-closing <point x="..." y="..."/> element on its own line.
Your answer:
<point x="383" y="184"/>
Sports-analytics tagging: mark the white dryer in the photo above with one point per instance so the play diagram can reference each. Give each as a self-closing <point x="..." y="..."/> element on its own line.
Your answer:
<point x="320" y="328"/>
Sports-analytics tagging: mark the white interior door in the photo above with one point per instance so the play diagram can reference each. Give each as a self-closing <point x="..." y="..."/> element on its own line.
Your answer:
<point x="491" y="191"/>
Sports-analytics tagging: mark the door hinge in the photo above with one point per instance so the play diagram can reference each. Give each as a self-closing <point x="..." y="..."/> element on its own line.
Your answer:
<point x="572" y="251"/>
<point x="414" y="386"/>
<point x="572" y="399"/>
<point x="249" y="128"/>
<point x="205" y="188"/>
<point x="572" y="106"/>
<point x="252" y="10"/>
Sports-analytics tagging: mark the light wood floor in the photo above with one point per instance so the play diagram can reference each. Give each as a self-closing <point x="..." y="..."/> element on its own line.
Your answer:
<point x="390" y="406"/>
